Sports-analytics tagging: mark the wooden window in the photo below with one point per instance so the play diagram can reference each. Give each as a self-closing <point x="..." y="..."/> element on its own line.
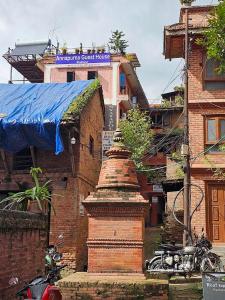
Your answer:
<point x="157" y="120"/>
<point x="92" y="75"/>
<point x="70" y="76"/>
<point x="23" y="160"/>
<point x="215" y="131"/>
<point x="91" y="145"/>
<point x="213" y="80"/>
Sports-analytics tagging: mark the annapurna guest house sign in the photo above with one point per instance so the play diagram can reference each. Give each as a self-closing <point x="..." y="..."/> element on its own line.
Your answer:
<point x="81" y="59"/>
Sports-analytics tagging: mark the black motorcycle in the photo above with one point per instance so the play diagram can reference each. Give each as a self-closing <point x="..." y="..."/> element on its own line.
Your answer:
<point x="172" y="259"/>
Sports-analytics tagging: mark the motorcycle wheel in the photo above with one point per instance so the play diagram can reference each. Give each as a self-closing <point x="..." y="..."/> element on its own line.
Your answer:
<point x="155" y="264"/>
<point x="215" y="262"/>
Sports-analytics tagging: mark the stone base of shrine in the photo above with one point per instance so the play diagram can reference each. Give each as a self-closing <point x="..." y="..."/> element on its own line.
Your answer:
<point x="112" y="286"/>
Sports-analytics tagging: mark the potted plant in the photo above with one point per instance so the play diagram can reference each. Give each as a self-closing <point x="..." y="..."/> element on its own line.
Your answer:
<point x="36" y="198"/>
<point x="64" y="49"/>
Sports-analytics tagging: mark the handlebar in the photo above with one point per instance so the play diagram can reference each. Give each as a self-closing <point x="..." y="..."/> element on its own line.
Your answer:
<point x="55" y="271"/>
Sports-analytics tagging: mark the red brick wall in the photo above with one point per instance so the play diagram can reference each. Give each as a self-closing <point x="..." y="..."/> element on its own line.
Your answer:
<point x="200" y="105"/>
<point x="23" y="240"/>
<point x="197" y="94"/>
<point x="70" y="218"/>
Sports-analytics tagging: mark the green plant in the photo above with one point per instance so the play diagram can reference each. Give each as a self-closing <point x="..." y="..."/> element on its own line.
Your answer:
<point x="81" y="101"/>
<point x="165" y="103"/>
<point x="213" y="37"/>
<point x="39" y="193"/>
<point x="179" y="100"/>
<point x="137" y="134"/>
<point x="154" y="176"/>
<point x="176" y="156"/>
<point x="64" y="49"/>
<point x="116" y="43"/>
<point x="179" y="88"/>
<point x="218" y="173"/>
<point x="222" y="147"/>
<point x="179" y="173"/>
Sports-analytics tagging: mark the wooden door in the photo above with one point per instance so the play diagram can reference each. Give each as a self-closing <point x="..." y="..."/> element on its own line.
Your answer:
<point x="216" y="197"/>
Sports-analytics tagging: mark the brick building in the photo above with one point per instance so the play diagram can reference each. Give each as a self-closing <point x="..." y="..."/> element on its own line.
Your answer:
<point x="206" y="104"/>
<point x="74" y="172"/>
<point x="167" y="125"/>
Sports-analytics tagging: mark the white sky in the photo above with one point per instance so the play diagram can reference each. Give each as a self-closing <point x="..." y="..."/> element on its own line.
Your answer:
<point x="88" y="21"/>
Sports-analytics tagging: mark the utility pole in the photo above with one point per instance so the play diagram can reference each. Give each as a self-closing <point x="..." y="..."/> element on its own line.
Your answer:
<point x="185" y="147"/>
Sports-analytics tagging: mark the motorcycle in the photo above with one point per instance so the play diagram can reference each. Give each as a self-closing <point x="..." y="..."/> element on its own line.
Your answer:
<point x="52" y="255"/>
<point x="193" y="258"/>
<point x="172" y="259"/>
<point x="42" y="287"/>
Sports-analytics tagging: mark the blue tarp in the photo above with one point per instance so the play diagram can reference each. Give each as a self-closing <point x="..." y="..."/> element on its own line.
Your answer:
<point x="30" y="114"/>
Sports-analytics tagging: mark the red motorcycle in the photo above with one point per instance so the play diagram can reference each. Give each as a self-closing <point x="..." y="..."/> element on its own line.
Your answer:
<point x="42" y="288"/>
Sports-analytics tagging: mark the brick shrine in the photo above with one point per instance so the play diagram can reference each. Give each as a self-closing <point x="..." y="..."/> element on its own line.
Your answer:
<point x="116" y="215"/>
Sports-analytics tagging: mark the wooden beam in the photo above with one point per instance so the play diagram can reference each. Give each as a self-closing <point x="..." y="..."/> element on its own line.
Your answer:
<point x="5" y="161"/>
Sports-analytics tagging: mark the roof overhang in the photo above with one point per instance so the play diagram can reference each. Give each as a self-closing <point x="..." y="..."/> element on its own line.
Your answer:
<point x="174" y="34"/>
<point x="172" y="185"/>
<point x="135" y="84"/>
<point x="174" y="41"/>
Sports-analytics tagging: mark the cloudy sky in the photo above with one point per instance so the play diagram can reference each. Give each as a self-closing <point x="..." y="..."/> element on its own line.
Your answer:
<point x="91" y="21"/>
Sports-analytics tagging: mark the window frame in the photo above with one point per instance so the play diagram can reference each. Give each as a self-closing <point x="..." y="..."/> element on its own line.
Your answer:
<point x="23" y="154"/>
<point x="206" y="79"/>
<point x="95" y="72"/>
<point x="73" y="76"/>
<point x="218" y="119"/>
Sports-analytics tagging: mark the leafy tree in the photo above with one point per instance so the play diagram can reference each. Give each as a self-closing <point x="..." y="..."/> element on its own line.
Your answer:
<point x="117" y="43"/>
<point x="214" y="36"/>
<point x="137" y="134"/>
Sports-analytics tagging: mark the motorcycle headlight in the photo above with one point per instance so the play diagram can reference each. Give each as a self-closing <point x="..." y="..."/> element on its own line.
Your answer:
<point x="176" y="258"/>
<point x="57" y="256"/>
<point x="169" y="260"/>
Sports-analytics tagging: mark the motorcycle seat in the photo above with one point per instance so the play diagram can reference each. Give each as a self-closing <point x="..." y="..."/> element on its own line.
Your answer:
<point x="170" y="247"/>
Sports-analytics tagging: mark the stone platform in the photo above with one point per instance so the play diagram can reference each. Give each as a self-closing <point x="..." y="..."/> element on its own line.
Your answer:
<point x="88" y="286"/>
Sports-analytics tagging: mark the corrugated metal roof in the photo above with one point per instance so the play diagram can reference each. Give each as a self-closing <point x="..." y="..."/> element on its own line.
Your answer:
<point x="30" y="48"/>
